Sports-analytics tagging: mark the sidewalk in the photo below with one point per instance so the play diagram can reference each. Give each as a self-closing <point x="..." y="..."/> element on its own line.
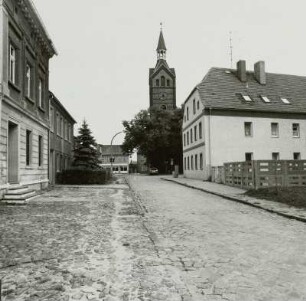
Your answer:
<point x="237" y="195"/>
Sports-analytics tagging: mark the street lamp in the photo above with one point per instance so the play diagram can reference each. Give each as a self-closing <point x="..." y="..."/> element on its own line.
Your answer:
<point x="111" y="157"/>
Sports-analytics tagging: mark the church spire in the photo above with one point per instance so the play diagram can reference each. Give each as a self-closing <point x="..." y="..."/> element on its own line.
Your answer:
<point x="161" y="47"/>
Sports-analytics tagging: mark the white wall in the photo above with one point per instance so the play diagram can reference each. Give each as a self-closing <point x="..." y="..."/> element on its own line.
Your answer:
<point x="229" y="143"/>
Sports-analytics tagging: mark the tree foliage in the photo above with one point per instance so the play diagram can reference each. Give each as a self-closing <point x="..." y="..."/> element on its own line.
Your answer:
<point x="157" y="136"/>
<point x="86" y="154"/>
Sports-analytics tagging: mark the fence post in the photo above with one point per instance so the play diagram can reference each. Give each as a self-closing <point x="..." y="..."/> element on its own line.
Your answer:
<point x="254" y="168"/>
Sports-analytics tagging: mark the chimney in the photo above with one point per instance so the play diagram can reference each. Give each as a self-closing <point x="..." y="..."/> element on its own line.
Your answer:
<point x="241" y="71"/>
<point x="259" y="72"/>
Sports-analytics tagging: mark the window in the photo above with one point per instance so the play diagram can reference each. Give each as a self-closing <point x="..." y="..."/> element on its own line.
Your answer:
<point x="187" y="138"/>
<point x="191" y="137"/>
<point x="69" y="132"/>
<point x="65" y="130"/>
<point x="265" y="98"/>
<point x="162" y="81"/>
<point x="201" y="161"/>
<point x="246" y="97"/>
<point x="28" y="81"/>
<point x="40" y="150"/>
<point x="248" y="129"/>
<point x="275" y="156"/>
<point x="13" y="64"/>
<point x="163" y="107"/>
<point x="58" y="124"/>
<point x="187" y="113"/>
<point x="248" y="156"/>
<point x="193" y="106"/>
<point x="51" y="116"/>
<point x="157" y="82"/>
<point x="184" y="139"/>
<point x="198" y="105"/>
<point x="274" y="129"/>
<point x="188" y="163"/>
<point x="196" y="162"/>
<point x="191" y="162"/>
<point x="40" y="93"/>
<point x="296" y="130"/>
<point x="28" y="147"/>
<point x="200" y="130"/>
<point x="195" y="133"/>
<point x="62" y="128"/>
<point x="168" y="83"/>
<point x="296" y="156"/>
<point x="185" y="163"/>
<point x="285" y="101"/>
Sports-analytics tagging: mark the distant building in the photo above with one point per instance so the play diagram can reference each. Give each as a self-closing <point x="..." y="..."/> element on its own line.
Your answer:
<point x="114" y="153"/>
<point x="162" y="80"/>
<point x="239" y="115"/>
<point x="61" y="138"/>
<point x="24" y="79"/>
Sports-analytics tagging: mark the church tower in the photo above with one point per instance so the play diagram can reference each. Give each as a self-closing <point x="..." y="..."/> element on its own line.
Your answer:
<point x="162" y="81"/>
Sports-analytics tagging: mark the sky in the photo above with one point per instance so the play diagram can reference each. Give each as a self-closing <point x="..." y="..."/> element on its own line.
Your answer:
<point x="106" y="47"/>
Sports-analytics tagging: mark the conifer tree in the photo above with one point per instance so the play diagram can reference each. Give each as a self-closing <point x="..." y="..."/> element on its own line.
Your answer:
<point x="86" y="154"/>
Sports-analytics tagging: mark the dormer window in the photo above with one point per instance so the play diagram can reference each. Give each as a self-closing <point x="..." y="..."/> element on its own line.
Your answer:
<point x="285" y="101"/>
<point x="265" y="98"/>
<point x="246" y="97"/>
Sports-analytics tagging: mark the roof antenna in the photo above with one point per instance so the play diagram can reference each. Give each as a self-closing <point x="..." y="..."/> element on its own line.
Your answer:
<point x="231" y="48"/>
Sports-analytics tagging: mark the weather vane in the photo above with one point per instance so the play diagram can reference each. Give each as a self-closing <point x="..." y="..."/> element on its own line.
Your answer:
<point x="161" y="25"/>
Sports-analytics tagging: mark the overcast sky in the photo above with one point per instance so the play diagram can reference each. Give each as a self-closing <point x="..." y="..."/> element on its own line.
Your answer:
<point x="106" y="47"/>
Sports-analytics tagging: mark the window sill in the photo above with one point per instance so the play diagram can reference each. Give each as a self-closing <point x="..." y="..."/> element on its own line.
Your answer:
<point x="274" y="136"/>
<point x="295" y="136"/>
<point x="14" y="86"/>
<point x="30" y="100"/>
<point x="42" y="109"/>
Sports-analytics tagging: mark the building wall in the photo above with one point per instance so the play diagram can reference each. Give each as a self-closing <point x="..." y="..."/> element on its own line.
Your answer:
<point x="61" y="140"/>
<point x="194" y="148"/>
<point x="17" y="106"/>
<point x="31" y="174"/>
<point x="162" y="95"/>
<point x="229" y="143"/>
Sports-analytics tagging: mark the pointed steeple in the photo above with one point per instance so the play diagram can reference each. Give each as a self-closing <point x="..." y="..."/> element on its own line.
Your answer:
<point x="161" y="47"/>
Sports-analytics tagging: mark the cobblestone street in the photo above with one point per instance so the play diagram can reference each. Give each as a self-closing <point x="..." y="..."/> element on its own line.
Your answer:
<point x="158" y="241"/>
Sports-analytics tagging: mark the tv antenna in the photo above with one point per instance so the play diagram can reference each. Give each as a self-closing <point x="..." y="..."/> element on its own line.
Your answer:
<point x="231" y="48"/>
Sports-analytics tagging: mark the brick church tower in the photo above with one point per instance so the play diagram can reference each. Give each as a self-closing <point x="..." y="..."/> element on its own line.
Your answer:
<point x="162" y="80"/>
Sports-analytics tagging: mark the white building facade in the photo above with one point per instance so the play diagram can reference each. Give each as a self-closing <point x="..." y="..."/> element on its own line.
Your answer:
<point x="235" y="115"/>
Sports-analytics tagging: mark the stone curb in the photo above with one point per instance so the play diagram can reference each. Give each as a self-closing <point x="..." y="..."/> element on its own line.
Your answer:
<point x="236" y="199"/>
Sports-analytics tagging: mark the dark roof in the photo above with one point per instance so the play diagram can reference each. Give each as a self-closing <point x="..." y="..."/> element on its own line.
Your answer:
<point x="221" y="89"/>
<point x="159" y="65"/>
<point x="161" y="42"/>
<point x="111" y="149"/>
<point x="54" y="99"/>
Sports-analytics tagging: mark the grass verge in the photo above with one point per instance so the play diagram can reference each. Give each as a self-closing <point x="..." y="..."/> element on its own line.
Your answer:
<point x="292" y="196"/>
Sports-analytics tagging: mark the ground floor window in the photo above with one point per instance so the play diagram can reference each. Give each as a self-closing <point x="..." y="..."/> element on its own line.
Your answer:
<point x="196" y="162"/>
<point x="185" y="163"/>
<point x="201" y="161"/>
<point x="40" y="150"/>
<point x="296" y="156"/>
<point x="248" y="156"/>
<point x="28" y="147"/>
<point x="188" y="163"/>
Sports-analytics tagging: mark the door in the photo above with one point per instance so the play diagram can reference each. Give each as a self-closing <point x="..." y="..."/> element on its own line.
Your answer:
<point x="12" y="150"/>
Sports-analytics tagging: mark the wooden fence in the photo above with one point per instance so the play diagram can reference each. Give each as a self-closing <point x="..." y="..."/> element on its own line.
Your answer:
<point x="265" y="173"/>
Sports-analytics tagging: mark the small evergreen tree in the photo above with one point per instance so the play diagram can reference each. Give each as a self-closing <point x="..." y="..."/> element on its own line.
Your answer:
<point x="86" y="154"/>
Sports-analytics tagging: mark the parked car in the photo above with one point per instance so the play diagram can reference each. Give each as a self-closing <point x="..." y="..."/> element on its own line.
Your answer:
<point x="153" y="171"/>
